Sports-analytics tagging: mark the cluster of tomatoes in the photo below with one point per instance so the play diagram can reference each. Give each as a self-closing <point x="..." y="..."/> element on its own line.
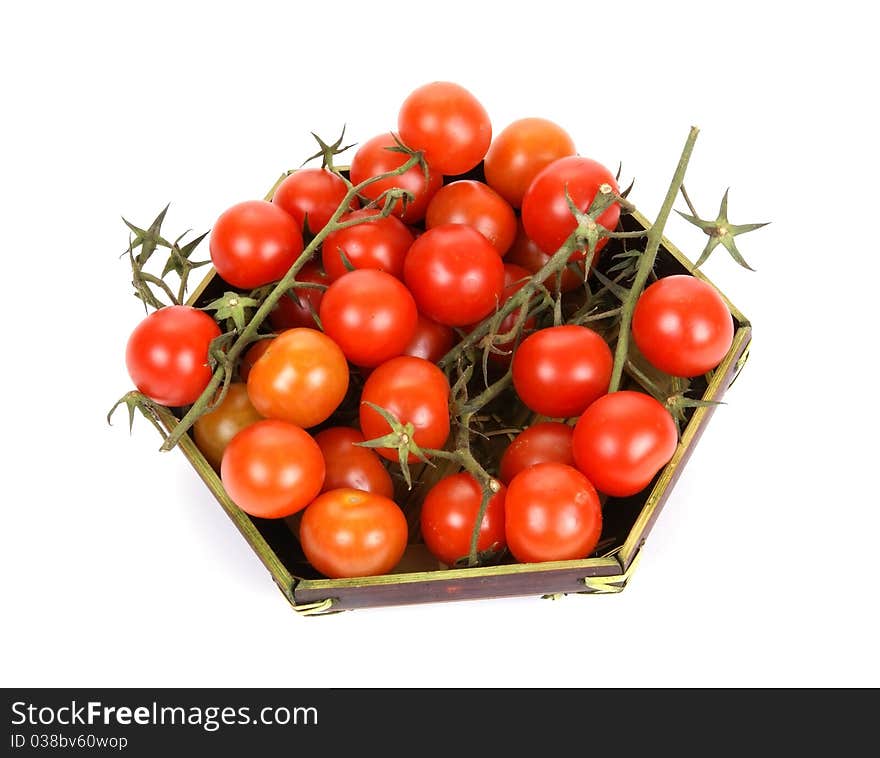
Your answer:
<point x="387" y="298"/>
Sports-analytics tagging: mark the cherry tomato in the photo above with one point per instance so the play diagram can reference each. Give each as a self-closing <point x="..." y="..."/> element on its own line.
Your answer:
<point x="545" y="213"/>
<point x="448" y="124"/>
<point x="552" y="513"/>
<point x="301" y="378"/>
<point x="454" y="274"/>
<point x="622" y="440"/>
<point x="527" y="254"/>
<point x="374" y="158"/>
<point x="381" y="243"/>
<point x="474" y="204"/>
<point x="548" y="442"/>
<point x="167" y="354"/>
<point x="682" y="326"/>
<point x="272" y="469"/>
<point x="251" y="356"/>
<point x="430" y="340"/>
<point x="413" y="391"/>
<point x="298" y="308"/>
<point x="348" y="465"/>
<point x="520" y="152"/>
<point x="311" y="195"/>
<point x="370" y="315"/>
<point x="449" y="514"/>
<point x="559" y="371"/>
<point x="254" y="243"/>
<point x="349" y="532"/>
<point x="214" y="430"/>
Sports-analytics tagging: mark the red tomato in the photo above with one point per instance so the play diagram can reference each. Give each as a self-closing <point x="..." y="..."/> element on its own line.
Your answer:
<point x="682" y="326"/>
<point x="213" y="431"/>
<point x="301" y="378"/>
<point x="381" y="243"/>
<point x="448" y="124"/>
<point x="251" y="356"/>
<point x="374" y="158"/>
<point x="298" y="308"/>
<point x="527" y="254"/>
<point x="348" y="465"/>
<point x="449" y="514"/>
<point x="622" y="440"/>
<point x="545" y="213"/>
<point x="454" y="274"/>
<point x="370" y="315"/>
<point x="430" y="340"/>
<point x="552" y="514"/>
<point x="520" y="152"/>
<point x="272" y="469"/>
<point x="348" y="532"/>
<point x="254" y="243"/>
<point x="559" y="371"/>
<point x="312" y="195"/>
<point x="413" y="391"/>
<point x="548" y="442"/>
<point x="477" y="205"/>
<point x="167" y="354"/>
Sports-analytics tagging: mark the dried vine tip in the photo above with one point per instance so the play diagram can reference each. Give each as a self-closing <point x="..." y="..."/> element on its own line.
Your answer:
<point x="605" y="188"/>
<point x="329" y="150"/>
<point x="148" y="239"/>
<point x="495" y="486"/>
<point x="720" y="232"/>
<point x="136" y="400"/>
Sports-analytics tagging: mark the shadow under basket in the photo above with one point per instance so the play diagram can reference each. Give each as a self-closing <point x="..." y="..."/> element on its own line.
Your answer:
<point x="420" y="578"/>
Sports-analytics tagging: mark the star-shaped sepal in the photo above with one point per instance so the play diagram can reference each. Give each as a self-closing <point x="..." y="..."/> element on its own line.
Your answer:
<point x="720" y="231"/>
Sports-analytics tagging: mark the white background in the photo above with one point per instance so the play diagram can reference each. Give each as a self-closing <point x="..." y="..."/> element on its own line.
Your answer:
<point x="118" y="567"/>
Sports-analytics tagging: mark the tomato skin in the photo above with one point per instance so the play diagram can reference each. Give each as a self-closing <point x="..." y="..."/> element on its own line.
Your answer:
<point x="430" y="340"/>
<point x="251" y="356"/>
<point x="526" y="253"/>
<point x="312" y="194"/>
<point x="412" y="390"/>
<point x="622" y="440"/>
<point x="682" y="326"/>
<point x="301" y="378"/>
<point x="348" y="465"/>
<point x="448" y="124"/>
<point x="520" y="152"/>
<point x="348" y="532"/>
<point x="370" y="315"/>
<point x="560" y="371"/>
<point x="214" y="431"/>
<point x="167" y="354"/>
<point x="474" y="204"/>
<point x="254" y="243"/>
<point x="547" y="442"/>
<point x="552" y="513"/>
<point x="545" y="213"/>
<point x="454" y="274"/>
<point x="272" y="469"/>
<point x="380" y="244"/>
<point x="373" y="158"/>
<point x="449" y="513"/>
<point x="297" y="314"/>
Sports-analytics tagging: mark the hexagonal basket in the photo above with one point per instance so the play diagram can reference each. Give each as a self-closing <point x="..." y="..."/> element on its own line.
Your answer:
<point x="420" y="578"/>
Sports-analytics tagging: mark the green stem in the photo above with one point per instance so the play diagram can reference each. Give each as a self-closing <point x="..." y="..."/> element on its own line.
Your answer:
<point x="646" y="262"/>
<point x="147" y="277"/>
